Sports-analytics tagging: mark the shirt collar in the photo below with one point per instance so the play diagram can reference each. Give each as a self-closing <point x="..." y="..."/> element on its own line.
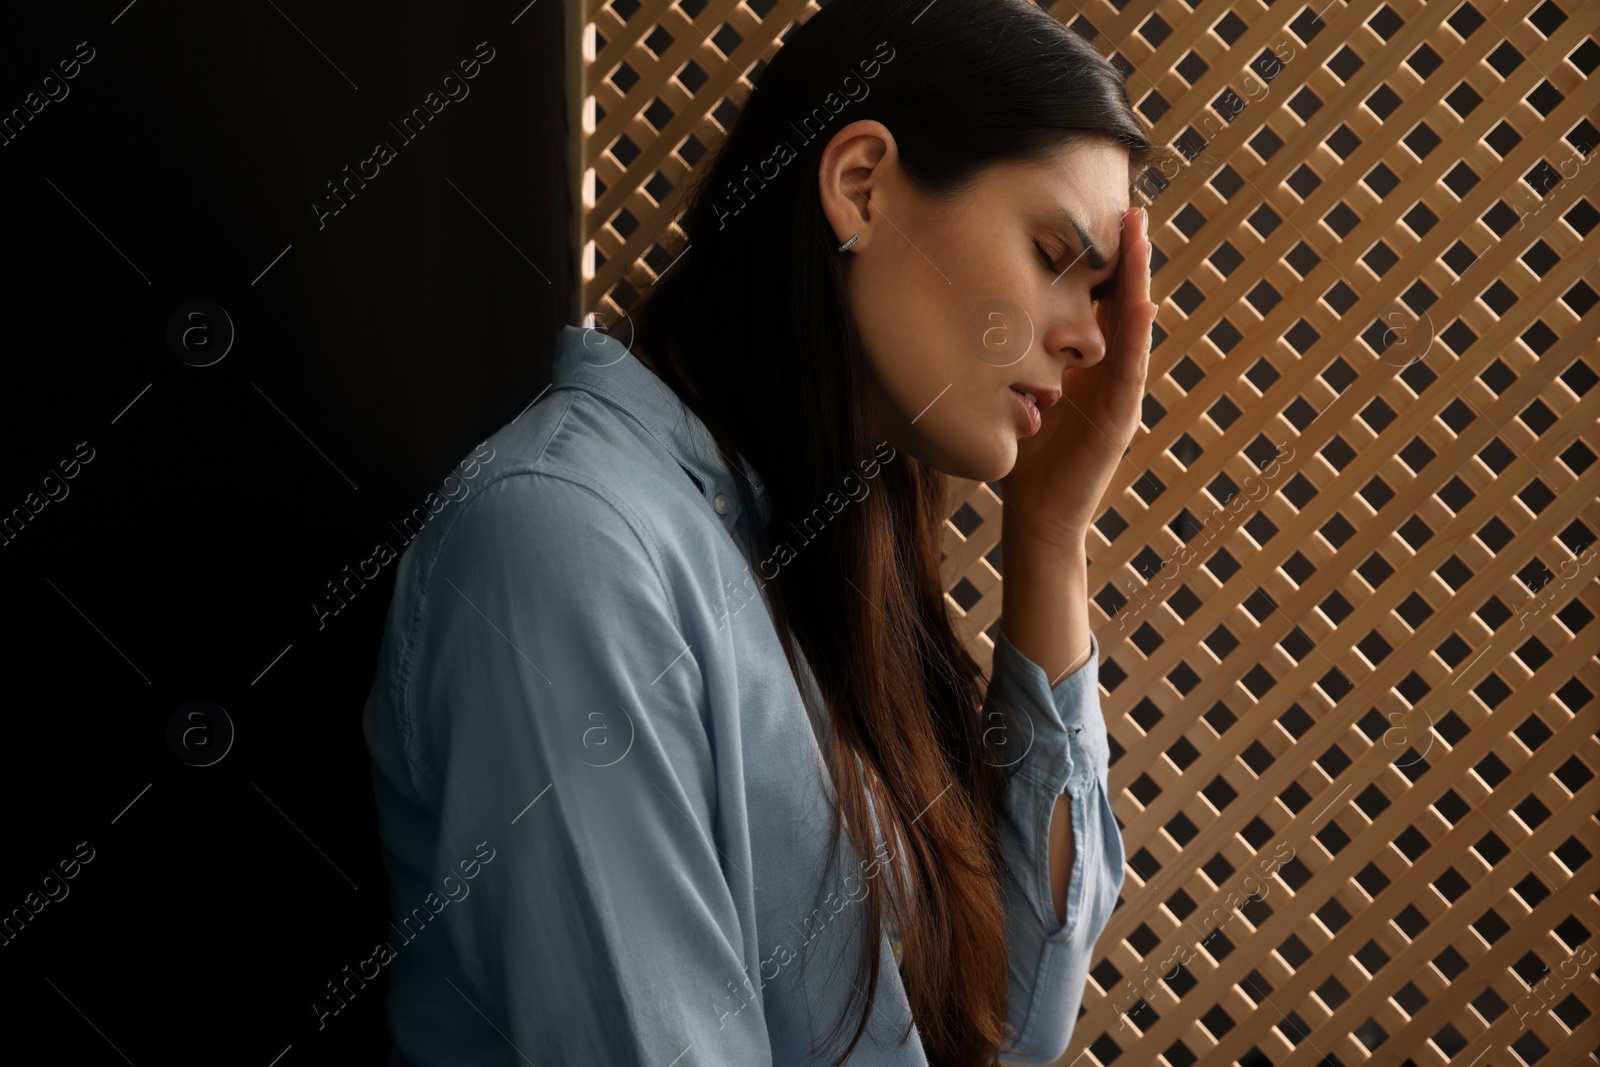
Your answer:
<point x="587" y="358"/>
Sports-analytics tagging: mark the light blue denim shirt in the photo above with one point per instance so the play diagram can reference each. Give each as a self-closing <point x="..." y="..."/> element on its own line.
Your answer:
<point x="603" y="805"/>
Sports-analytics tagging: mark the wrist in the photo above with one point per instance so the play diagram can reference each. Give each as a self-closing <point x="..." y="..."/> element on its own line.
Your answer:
<point x="1033" y="546"/>
<point x="1026" y="530"/>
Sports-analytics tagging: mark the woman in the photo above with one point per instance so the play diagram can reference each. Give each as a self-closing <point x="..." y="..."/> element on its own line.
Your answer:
<point x="679" y="661"/>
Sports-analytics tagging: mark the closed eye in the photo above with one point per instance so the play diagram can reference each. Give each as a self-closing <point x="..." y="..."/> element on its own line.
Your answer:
<point x="1048" y="262"/>
<point x="1097" y="294"/>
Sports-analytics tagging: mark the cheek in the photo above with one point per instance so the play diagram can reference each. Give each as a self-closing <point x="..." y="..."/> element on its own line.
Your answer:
<point x="911" y="327"/>
<point x="987" y="305"/>
<point x="948" y="319"/>
<point x="998" y="334"/>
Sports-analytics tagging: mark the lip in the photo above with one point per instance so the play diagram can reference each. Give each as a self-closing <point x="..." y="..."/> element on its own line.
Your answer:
<point x="1030" y="413"/>
<point x="1047" y="395"/>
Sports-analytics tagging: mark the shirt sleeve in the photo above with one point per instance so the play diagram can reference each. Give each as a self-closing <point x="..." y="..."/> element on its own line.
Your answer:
<point x="1062" y="747"/>
<point x="560" y="715"/>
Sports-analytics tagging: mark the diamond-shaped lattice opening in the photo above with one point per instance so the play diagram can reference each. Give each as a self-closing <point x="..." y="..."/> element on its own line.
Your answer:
<point x="624" y="150"/>
<point x="966" y="594"/>
<point x="658" y="40"/>
<point x="1154" y="30"/>
<point x="966" y="519"/>
<point x="624" y="78"/>
<point x="658" y="114"/>
<point x="727" y="39"/>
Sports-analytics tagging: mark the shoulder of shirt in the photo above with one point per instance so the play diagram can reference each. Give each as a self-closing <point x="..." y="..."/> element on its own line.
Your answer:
<point x="576" y="439"/>
<point x="570" y="438"/>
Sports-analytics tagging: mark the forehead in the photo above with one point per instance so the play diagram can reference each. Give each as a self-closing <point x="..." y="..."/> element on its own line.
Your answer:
<point x="1088" y="178"/>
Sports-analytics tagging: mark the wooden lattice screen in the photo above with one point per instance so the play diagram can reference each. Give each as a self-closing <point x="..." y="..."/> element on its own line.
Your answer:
<point x="1346" y="579"/>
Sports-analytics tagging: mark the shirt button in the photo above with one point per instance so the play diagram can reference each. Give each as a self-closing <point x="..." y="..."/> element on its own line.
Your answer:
<point x="720" y="502"/>
<point x="899" y="951"/>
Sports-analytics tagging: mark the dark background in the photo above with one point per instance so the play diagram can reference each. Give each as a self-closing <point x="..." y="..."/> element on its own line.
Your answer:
<point x="184" y="559"/>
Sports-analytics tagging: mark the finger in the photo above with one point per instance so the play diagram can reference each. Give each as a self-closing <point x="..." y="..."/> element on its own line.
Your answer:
<point x="1134" y="313"/>
<point x="1119" y="298"/>
<point x="1150" y="307"/>
<point x="1134" y="281"/>
<point x="1108" y="312"/>
<point x="1144" y="254"/>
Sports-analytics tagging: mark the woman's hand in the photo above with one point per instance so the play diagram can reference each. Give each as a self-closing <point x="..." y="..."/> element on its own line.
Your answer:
<point x="1053" y="491"/>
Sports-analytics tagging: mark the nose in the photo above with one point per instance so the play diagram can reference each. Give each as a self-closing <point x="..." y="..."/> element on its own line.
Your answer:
<point x="1077" y="339"/>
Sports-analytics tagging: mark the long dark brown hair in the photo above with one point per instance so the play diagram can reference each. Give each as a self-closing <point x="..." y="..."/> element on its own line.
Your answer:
<point x="752" y="328"/>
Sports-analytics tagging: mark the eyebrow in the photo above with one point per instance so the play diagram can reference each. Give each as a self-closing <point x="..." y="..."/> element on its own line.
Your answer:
<point x="1091" y="251"/>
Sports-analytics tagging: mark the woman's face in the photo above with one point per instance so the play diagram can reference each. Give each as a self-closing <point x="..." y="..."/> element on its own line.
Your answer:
<point x="955" y="302"/>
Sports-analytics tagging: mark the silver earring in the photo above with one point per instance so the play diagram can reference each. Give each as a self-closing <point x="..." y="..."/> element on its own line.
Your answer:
<point x="853" y="239"/>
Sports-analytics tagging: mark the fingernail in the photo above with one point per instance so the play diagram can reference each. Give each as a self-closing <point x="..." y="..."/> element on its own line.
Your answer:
<point x="1144" y="223"/>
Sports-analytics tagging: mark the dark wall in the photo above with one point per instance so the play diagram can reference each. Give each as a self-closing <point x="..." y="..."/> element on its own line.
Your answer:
<point x="208" y="506"/>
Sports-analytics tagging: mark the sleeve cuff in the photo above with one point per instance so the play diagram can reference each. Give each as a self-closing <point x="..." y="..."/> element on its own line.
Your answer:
<point x="1068" y="740"/>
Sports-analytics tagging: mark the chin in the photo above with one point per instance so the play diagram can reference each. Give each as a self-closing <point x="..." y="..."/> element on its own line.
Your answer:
<point x="983" y="465"/>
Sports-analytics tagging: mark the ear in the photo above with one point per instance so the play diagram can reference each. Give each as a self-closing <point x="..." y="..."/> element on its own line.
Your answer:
<point x="850" y="178"/>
